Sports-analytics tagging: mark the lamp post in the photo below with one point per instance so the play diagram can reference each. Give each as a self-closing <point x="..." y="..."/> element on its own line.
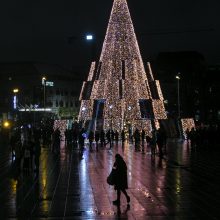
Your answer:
<point x="178" y="94"/>
<point x="89" y="37"/>
<point x="111" y="106"/>
<point x="15" y="98"/>
<point x="44" y="85"/>
<point x="178" y="106"/>
<point x="90" y="40"/>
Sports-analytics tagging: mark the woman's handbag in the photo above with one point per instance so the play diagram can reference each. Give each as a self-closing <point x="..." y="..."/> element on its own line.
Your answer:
<point x="111" y="178"/>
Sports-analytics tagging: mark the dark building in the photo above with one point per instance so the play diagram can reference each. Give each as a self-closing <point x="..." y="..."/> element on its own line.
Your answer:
<point x="199" y="85"/>
<point x="60" y="92"/>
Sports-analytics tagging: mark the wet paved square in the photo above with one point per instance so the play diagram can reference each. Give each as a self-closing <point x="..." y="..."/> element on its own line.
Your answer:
<point x="184" y="185"/>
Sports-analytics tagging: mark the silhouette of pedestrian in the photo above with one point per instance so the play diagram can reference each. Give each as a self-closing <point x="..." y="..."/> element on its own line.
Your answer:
<point x="112" y="137"/>
<point x="27" y="155"/>
<point x="122" y="138"/>
<point x="142" y="139"/>
<point x="137" y="139"/>
<point x="153" y="142"/>
<point x="37" y="152"/>
<point x="116" y="137"/>
<point x="121" y="182"/>
<point x="109" y="139"/>
<point x="81" y="139"/>
<point x="91" y="139"/>
<point x="102" y="137"/>
<point x="97" y="137"/>
<point x="160" y="141"/>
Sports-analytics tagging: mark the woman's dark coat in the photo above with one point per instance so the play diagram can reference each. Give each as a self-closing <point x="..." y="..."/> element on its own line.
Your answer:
<point x="121" y="181"/>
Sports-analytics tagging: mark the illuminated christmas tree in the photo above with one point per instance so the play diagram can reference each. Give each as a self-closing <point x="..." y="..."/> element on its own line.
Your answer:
<point x="119" y="92"/>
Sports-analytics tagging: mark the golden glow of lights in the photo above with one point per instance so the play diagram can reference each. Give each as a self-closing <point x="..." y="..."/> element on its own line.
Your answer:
<point x="159" y="90"/>
<point x="120" y="79"/>
<point x="83" y="87"/>
<point x="44" y="192"/>
<point x="145" y="192"/>
<point x="15" y="90"/>
<point x="157" y="124"/>
<point x="86" y="110"/>
<point x="14" y="186"/>
<point x="61" y="125"/>
<point x="187" y="123"/>
<point x="150" y="71"/>
<point x="159" y="109"/>
<point x="6" y="124"/>
<point x="91" y="72"/>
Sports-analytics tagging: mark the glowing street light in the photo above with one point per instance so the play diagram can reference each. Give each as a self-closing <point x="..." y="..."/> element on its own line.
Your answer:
<point x="15" y="99"/>
<point x="15" y="90"/>
<point x="44" y="84"/>
<point x="178" y="93"/>
<point x="6" y="124"/>
<point x="89" y="37"/>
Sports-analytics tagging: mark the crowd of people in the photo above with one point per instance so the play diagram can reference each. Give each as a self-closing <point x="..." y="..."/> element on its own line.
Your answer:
<point x="27" y="140"/>
<point x="99" y="139"/>
<point x="203" y="136"/>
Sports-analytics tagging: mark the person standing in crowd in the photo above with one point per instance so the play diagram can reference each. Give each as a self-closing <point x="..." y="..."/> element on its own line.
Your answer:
<point x="108" y="137"/>
<point x="160" y="141"/>
<point x="13" y="140"/>
<point x="193" y="137"/>
<point x="116" y="137"/>
<point x="75" y="136"/>
<point x="137" y="139"/>
<point x="187" y="132"/>
<point x="142" y="139"/>
<point x="18" y="155"/>
<point x="97" y="137"/>
<point x="153" y="142"/>
<point x="81" y="139"/>
<point x="121" y="182"/>
<point x="122" y="137"/>
<point x="31" y="148"/>
<point x="56" y="141"/>
<point x="27" y="155"/>
<point x="37" y="152"/>
<point x="112" y="137"/>
<point x="130" y="135"/>
<point x="91" y="139"/>
<point x="102" y="137"/>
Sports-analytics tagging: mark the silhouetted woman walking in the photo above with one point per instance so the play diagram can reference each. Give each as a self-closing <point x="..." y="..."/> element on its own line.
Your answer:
<point x="121" y="182"/>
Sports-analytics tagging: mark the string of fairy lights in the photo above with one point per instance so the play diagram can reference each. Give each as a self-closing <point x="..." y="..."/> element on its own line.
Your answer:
<point x="122" y="80"/>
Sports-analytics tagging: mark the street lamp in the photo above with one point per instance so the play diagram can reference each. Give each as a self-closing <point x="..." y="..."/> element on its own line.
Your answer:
<point x="15" y="99"/>
<point x="6" y="124"/>
<point x="89" y="37"/>
<point x="178" y="104"/>
<point x="111" y="106"/>
<point x="44" y="85"/>
<point x="178" y="93"/>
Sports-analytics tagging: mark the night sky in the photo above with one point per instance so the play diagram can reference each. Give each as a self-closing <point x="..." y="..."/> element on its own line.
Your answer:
<point x="52" y="31"/>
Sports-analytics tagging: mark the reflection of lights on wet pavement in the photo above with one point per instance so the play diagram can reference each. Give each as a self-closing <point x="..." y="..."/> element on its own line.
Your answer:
<point x="14" y="184"/>
<point x="145" y="192"/>
<point x="102" y="213"/>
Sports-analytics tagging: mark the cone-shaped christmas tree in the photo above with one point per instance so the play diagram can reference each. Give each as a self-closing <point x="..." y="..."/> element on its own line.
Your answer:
<point x="119" y="92"/>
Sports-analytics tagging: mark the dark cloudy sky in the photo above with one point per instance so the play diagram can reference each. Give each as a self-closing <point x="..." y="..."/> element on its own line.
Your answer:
<point x="38" y="30"/>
